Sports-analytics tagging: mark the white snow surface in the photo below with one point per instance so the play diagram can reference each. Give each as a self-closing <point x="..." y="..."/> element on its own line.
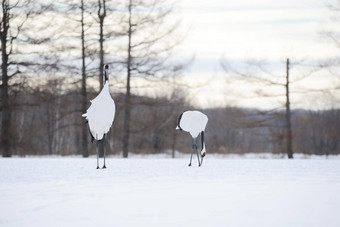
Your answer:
<point x="166" y="192"/>
<point x="101" y="113"/>
<point x="193" y="122"/>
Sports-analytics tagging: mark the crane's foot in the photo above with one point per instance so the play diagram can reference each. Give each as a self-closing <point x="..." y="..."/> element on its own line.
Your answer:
<point x="97" y="167"/>
<point x="104" y="167"/>
<point x="189" y="164"/>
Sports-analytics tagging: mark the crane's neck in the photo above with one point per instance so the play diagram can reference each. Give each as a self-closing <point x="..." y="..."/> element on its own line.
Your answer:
<point x="203" y="144"/>
<point x="106" y="76"/>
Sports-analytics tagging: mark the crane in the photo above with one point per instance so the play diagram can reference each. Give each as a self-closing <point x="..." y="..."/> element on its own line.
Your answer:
<point x="100" y="115"/>
<point x="194" y="122"/>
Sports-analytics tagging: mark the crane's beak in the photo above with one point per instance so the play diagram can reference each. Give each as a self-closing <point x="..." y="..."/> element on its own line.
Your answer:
<point x="177" y="127"/>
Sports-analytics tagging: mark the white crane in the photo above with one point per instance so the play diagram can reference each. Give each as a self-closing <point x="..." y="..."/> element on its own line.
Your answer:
<point x="194" y="122"/>
<point x="100" y="115"/>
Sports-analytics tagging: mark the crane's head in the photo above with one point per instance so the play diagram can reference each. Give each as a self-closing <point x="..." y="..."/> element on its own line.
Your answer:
<point x="106" y="69"/>
<point x="203" y="153"/>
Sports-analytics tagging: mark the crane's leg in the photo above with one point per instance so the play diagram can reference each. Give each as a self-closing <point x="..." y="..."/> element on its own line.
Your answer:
<point x="198" y="157"/>
<point x="192" y="151"/>
<point x="193" y="148"/>
<point x="105" y="139"/>
<point x="97" y="143"/>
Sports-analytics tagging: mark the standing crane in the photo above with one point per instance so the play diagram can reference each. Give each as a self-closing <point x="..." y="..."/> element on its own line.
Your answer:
<point x="100" y="115"/>
<point x="194" y="122"/>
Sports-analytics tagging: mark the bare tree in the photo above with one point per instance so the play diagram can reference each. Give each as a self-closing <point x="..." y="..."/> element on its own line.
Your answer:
<point x="148" y="49"/>
<point x="70" y="29"/>
<point x="289" y="137"/>
<point x="266" y="82"/>
<point x="127" y="113"/>
<point x="331" y="65"/>
<point x="6" y="114"/>
<point x="83" y="82"/>
<point x="101" y="17"/>
<point x="9" y="34"/>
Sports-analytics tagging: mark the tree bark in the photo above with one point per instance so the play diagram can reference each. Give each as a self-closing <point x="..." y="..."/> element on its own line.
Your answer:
<point x="6" y="113"/>
<point x="101" y="15"/>
<point x="127" y="112"/>
<point x="174" y="137"/>
<point x="85" y="151"/>
<point x="288" y="117"/>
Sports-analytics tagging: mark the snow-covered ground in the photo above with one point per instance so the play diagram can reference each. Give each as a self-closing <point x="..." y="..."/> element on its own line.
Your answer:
<point x="166" y="192"/>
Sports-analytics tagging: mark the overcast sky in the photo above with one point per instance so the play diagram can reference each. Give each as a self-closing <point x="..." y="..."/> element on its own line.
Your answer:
<point x="246" y="29"/>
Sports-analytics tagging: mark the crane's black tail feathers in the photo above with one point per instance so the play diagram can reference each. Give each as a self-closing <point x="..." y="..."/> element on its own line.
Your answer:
<point x="92" y="138"/>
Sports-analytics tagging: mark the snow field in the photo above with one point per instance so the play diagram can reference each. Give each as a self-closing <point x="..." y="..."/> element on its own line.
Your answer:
<point x="166" y="192"/>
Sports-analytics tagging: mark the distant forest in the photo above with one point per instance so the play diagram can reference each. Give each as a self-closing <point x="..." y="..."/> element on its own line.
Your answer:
<point x="46" y="122"/>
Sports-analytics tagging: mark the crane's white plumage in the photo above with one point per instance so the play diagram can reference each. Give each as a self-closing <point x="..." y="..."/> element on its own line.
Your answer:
<point x="193" y="122"/>
<point x="101" y="113"/>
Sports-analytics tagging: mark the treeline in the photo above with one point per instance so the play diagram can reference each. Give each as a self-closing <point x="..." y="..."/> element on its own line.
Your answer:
<point x="238" y="130"/>
<point x="52" y="58"/>
<point x="48" y="122"/>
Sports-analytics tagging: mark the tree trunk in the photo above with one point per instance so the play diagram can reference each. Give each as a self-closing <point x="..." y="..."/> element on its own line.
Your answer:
<point x="85" y="151"/>
<point x="101" y="53"/>
<point x="6" y="113"/>
<point x="174" y="140"/>
<point x="127" y="113"/>
<point x="288" y="117"/>
<point x="101" y="15"/>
